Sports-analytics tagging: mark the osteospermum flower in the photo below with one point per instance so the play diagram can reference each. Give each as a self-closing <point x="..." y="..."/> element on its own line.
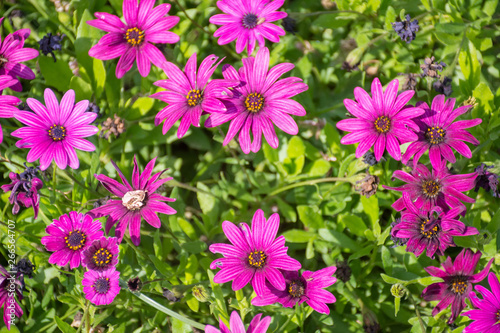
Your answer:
<point x="458" y="278"/>
<point x="436" y="188"/>
<point x="259" y="102"/>
<point x="383" y="121"/>
<point x="101" y="287"/>
<point x="10" y="289"/>
<point x="8" y="104"/>
<point x="132" y="40"/>
<point x="101" y="255"/>
<point x="137" y="201"/>
<point x="24" y="190"/>
<point x="13" y="53"/>
<point x="247" y="21"/>
<point x="256" y="254"/>
<point x="429" y="230"/>
<point x="189" y="93"/>
<point x="69" y="236"/>
<point x="54" y="130"/>
<point x="439" y="132"/>
<point x="306" y="287"/>
<point x="486" y="316"/>
<point x="257" y="325"/>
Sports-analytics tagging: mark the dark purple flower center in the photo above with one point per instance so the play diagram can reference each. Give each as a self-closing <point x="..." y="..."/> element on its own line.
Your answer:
<point x="102" y="257"/>
<point x="254" y="102"/>
<point x="431" y="188"/>
<point x="429" y="229"/>
<point x="257" y="259"/>
<point x="296" y="288"/>
<point x="134" y="200"/>
<point x="101" y="285"/>
<point x="435" y="135"/>
<point x="134" y="36"/>
<point x="75" y="240"/>
<point x="459" y="284"/>
<point x="382" y="124"/>
<point x="194" y="97"/>
<point x="57" y="132"/>
<point x="250" y="21"/>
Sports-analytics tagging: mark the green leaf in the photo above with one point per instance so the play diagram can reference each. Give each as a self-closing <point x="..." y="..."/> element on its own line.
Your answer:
<point x="64" y="327"/>
<point x="354" y="223"/>
<point x="310" y="216"/>
<point x="83" y="90"/>
<point x="390" y="17"/>
<point x="397" y="303"/>
<point x="386" y="260"/>
<point x="99" y="77"/>
<point x="296" y="147"/>
<point x="195" y="247"/>
<point x="298" y="236"/>
<point x="317" y="168"/>
<point x="338" y="239"/>
<point x="469" y="64"/>
<point x="56" y="74"/>
<point x="371" y="208"/>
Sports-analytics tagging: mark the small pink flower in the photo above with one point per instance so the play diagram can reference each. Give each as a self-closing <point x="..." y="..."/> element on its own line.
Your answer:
<point x="236" y="325"/>
<point x="101" y="287"/>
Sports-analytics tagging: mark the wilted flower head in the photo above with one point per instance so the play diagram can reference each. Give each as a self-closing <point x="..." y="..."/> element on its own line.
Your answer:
<point x="257" y="325"/>
<point x="133" y="41"/>
<point x="431" y="68"/>
<point x="443" y="87"/>
<point x="487" y="180"/>
<point x="458" y="278"/>
<point x="367" y="186"/>
<point x="115" y="126"/>
<point x="406" y="29"/>
<point x="50" y="43"/>
<point x="24" y="187"/>
<point x="248" y="21"/>
<point x="134" y="284"/>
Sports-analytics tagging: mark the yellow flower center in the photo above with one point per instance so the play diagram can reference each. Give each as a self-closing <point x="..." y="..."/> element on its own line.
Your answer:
<point x="296" y="288"/>
<point x="257" y="259"/>
<point x="435" y="135"/>
<point x="193" y="97"/>
<point x="459" y="285"/>
<point x="431" y="188"/>
<point x="102" y="257"/>
<point x="75" y="240"/>
<point x="101" y="285"/>
<point x="57" y="132"/>
<point x="382" y="124"/>
<point x="428" y="233"/>
<point x="254" y="102"/>
<point x="134" y="36"/>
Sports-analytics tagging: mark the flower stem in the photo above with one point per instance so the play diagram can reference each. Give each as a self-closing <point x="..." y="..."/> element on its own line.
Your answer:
<point x="309" y="182"/>
<point x="422" y="325"/>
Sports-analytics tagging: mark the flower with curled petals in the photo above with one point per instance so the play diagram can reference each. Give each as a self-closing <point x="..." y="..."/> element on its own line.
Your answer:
<point x="54" y="130"/>
<point x="190" y="93"/>
<point x="259" y="101"/>
<point x="8" y="104"/>
<point x="11" y="294"/>
<point x="247" y="21"/>
<point x="236" y="325"/>
<point x="132" y="40"/>
<point x="439" y="132"/>
<point x="306" y="287"/>
<point x="458" y="277"/>
<point x="486" y="316"/>
<point x="255" y="255"/>
<point x="136" y="201"/>
<point x="383" y="120"/>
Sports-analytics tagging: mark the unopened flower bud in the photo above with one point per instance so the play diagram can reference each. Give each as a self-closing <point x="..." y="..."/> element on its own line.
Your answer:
<point x="398" y="290"/>
<point x="200" y="293"/>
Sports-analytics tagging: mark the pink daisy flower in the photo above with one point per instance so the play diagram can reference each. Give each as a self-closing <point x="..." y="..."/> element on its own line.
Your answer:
<point x="486" y="316"/>
<point x="101" y="255"/>
<point x="458" y="278"/>
<point x="306" y="287"/>
<point x="132" y="40"/>
<point x="137" y="201"/>
<point x="438" y="132"/>
<point x="255" y="254"/>
<point x="69" y="236"/>
<point x="436" y="188"/>
<point x="236" y="325"/>
<point x="101" y="287"/>
<point x="189" y="93"/>
<point x="55" y="130"/>
<point x="247" y="21"/>
<point x="13" y="53"/>
<point x="383" y="120"/>
<point x="10" y="289"/>
<point x="8" y="104"/>
<point x="259" y="101"/>
<point x="431" y="230"/>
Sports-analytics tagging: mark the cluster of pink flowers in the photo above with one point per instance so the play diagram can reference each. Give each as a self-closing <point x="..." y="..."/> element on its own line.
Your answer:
<point x="432" y="200"/>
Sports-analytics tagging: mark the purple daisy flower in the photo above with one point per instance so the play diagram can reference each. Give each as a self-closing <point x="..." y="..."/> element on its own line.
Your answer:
<point x="438" y="132"/>
<point x="384" y="120"/>
<point x="432" y="230"/>
<point x="8" y="104"/>
<point x="69" y="236"/>
<point x="439" y="188"/>
<point x="259" y="102"/>
<point x="308" y="287"/>
<point x="247" y="21"/>
<point x="10" y="288"/>
<point x="101" y="287"/>
<point x="256" y="254"/>
<point x="236" y="325"/>
<point x="13" y="53"/>
<point x="55" y="130"/>
<point x="136" y="202"/>
<point x="458" y="279"/>
<point x="132" y="41"/>
<point x="486" y="316"/>
<point x="189" y="93"/>
<point x="101" y="255"/>
<point x="24" y="187"/>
